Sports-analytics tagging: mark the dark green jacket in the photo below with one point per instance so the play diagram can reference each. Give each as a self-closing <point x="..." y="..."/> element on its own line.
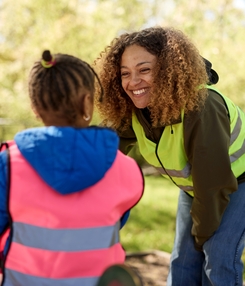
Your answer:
<point x="213" y="179"/>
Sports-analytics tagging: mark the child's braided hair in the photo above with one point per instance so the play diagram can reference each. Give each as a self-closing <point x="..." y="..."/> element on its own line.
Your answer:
<point x="55" y="82"/>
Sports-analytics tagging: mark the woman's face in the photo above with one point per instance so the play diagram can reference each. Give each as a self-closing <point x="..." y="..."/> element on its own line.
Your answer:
<point x="137" y="66"/>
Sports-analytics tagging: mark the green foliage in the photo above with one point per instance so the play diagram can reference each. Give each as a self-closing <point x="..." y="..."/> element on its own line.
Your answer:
<point x="217" y="29"/>
<point x="80" y="28"/>
<point x="84" y="28"/>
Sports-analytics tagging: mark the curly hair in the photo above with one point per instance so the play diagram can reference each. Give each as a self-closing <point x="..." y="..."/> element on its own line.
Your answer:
<point x="179" y="77"/>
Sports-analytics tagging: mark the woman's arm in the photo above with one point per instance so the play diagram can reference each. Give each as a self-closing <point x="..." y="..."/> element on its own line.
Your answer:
<point x="127" y="140"/>
<point x="207" y="140"/>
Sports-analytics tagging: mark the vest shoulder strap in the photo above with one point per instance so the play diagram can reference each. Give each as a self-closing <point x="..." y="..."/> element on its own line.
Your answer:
<point x="217" y="92"/>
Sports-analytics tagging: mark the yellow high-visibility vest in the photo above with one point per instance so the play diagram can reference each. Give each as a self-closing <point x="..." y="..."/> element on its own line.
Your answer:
<point x="169" y="156"/>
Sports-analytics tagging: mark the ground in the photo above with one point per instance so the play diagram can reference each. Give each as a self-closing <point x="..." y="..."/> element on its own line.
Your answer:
<point x="152" y="266"/>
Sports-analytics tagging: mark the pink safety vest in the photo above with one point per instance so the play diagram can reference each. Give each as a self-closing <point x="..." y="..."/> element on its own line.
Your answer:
<point x="67" y="239"/>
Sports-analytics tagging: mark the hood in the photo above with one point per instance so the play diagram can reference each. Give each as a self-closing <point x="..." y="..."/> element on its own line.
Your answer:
<point x="69" y="159"/>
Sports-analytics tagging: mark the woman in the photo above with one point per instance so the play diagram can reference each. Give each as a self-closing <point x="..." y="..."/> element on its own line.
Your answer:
<point x="157" y="92"/>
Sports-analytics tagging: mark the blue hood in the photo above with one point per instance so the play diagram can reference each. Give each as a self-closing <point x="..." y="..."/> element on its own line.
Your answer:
<point x="69" y="159"/>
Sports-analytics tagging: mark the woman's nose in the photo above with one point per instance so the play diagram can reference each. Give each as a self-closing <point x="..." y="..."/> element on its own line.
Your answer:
<point x="134" y="80"/>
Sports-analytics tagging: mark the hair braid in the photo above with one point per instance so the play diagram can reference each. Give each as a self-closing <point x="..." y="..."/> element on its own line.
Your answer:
<point x="55" y="81"/>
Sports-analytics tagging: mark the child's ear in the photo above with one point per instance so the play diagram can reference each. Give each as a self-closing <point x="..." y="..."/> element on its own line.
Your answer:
<point x="35" y="112"/>
<point x="88" y="107"/>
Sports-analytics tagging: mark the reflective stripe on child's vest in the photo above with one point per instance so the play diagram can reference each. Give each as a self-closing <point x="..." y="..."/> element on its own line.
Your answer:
<point x="171" y="153"/>
<point x="67" y="239"/>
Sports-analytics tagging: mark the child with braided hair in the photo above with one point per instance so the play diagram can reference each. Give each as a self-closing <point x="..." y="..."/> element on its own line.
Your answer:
<point x="65" y="188"/>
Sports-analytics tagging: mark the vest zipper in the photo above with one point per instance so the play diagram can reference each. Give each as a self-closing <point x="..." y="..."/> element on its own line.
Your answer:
<point x="172" y="131"/>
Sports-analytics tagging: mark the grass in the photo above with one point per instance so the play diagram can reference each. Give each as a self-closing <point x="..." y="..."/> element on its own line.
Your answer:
<point x="151" y="224"/>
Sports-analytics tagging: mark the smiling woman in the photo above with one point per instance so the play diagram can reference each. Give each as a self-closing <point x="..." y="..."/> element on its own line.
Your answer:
<point x="168" y="55"/>
<point x="158" y="94"/>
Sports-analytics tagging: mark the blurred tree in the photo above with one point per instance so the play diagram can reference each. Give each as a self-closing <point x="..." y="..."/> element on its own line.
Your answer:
<point x="78" y="27"/>
<point x="83" y="28"/>
<point x="218" y="29"/>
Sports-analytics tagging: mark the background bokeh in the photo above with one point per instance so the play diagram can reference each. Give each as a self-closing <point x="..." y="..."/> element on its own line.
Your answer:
<point x="84" y="28"/>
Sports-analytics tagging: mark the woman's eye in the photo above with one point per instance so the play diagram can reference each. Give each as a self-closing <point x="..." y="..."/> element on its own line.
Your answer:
<point x="145" y="70"/>
<point x="124" y="74"/>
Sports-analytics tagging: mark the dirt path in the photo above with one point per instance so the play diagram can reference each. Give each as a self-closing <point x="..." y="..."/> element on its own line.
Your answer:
<point x="152" y="266"/>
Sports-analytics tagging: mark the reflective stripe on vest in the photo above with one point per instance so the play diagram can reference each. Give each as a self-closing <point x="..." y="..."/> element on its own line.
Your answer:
<point x="170" y="157"/>
<point x="70" y="239"/>
<point x="237" y="137"/>
<point x="89" y="238"/>
<point x="11" y="275"/>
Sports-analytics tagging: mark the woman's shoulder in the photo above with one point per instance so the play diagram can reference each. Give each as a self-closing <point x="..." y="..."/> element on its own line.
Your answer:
<point x="214" y="106"/>
<point x="214" y="102"/>
<point x="215" y="99"/>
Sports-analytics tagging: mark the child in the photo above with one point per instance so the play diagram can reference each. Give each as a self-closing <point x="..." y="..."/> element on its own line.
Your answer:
<point x="70" y="188"/>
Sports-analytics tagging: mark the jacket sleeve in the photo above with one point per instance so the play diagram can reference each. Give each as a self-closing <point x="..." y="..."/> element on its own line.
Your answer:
<point x="3" y="200"/>
<point x="3" y="192"/>
<point x="127" y="137"/>
<point x="127" y="140"/>
<point x="124" y="219"/>
<point x="207" y="139"/>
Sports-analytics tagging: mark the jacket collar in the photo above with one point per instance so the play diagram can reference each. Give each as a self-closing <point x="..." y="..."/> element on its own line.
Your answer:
<point x="145" y="114"/>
